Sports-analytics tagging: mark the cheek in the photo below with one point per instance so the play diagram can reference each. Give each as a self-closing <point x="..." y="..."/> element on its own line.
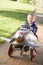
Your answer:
<point x="30" y="20"/>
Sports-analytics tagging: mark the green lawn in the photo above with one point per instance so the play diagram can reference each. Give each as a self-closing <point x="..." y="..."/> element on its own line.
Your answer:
<point x="12" y="16"/>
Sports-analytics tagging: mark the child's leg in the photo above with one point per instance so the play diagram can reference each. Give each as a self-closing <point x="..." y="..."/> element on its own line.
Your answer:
<point x="36" y="36"/>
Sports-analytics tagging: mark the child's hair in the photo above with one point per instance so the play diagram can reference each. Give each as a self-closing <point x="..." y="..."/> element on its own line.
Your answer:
<point x="30" y="15"/>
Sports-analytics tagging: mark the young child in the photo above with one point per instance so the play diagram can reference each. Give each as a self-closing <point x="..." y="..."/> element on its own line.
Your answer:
<point x="31" y="24"/>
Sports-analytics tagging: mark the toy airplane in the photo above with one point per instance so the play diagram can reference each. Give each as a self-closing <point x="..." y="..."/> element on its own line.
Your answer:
<point x="24" y="40"/>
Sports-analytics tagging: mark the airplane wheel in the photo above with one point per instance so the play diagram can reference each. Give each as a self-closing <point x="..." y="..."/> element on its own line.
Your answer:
<point x="10" y="51"/>
<point x="13" y="48"/>
<point x="32" y="55"/>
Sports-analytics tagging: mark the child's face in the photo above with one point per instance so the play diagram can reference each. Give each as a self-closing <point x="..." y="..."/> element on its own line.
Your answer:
<point x="30" y="19"/>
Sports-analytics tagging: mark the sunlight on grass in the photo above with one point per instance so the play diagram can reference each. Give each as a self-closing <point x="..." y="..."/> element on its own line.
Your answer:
<point x="9" y="5"/>
<point x="9" y="26"/>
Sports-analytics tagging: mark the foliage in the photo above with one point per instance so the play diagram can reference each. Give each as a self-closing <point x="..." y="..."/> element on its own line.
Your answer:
<point x="29" y="1"/>
<point x="13" y="0"/>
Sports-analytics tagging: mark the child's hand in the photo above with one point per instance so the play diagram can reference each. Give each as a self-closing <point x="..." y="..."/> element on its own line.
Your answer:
<point x="31" y="28"/>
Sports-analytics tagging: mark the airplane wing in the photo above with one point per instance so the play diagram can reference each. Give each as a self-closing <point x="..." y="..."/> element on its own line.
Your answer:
<point x="5" y="39"/>
<point x="30" y="45"/>
<point x="35" y="45"/>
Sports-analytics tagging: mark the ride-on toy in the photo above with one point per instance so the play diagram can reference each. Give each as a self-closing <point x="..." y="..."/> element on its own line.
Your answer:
<point x="24" y="40"/>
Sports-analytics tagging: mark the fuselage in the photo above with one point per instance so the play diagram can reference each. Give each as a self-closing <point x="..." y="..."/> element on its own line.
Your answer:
<point x="25" y="37"/>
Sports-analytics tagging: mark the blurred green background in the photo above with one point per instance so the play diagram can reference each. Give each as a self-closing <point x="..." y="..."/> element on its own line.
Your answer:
<point x="12" y="15"/>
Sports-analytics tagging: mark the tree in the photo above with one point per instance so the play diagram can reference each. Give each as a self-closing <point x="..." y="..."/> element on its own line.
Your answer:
<point x="29" y="1"/>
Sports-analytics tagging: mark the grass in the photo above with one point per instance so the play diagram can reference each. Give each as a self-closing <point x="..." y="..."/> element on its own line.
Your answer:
<point x="12" y="16"/>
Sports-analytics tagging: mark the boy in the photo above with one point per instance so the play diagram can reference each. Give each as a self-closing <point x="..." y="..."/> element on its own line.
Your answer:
<point x="31" y="19"/>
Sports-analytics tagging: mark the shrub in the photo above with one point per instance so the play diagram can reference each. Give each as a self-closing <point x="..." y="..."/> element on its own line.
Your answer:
<point x="29" y="1"/>
<point x="13" y="0"/>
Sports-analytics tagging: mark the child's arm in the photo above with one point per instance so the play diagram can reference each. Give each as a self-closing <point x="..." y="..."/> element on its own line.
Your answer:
<point x="34" y="28"/>
<point x="26" y="25"/>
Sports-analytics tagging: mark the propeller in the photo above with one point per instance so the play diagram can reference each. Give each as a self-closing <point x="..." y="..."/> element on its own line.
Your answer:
<point x="35" y="45"/>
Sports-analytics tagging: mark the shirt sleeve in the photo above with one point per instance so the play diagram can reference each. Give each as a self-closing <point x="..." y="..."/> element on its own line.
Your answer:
<point x="26" y="25"/>
<point x="35" y="28"/>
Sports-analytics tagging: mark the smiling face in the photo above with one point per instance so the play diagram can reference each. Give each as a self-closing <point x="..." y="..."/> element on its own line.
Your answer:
<point x="30" y="18"/>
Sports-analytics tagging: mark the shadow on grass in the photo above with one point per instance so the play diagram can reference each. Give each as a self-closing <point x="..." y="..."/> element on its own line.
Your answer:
<point x="17" y="14"/>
